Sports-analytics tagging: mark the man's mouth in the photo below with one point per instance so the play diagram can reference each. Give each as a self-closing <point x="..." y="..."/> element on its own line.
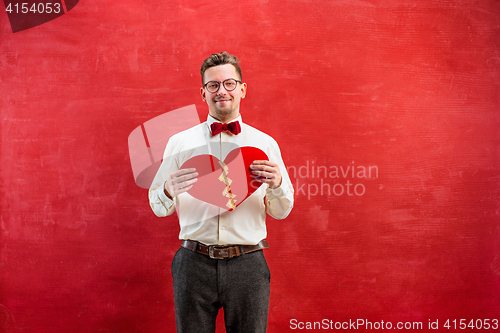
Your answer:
<point x="222" y="100"/>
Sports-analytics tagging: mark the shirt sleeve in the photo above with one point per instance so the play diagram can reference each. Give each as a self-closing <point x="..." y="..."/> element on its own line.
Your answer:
<point x="158" y="200"/>
<point x="279" y="201"/>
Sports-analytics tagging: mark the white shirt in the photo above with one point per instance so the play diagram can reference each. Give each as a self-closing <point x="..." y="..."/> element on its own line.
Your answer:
<point x="207" y="223"/>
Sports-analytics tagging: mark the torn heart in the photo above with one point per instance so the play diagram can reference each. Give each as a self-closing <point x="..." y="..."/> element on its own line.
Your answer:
<point x="227" y="183"/>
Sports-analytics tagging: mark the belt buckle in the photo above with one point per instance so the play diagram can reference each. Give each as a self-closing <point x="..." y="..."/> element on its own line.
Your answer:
<point x="211" y="249"/>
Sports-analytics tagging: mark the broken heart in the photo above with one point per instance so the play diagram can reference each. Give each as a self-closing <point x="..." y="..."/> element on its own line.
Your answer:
<point x="227" y="183"/>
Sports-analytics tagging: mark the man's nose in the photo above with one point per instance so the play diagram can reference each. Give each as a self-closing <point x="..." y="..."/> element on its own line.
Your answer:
<point x="222" y="90"/>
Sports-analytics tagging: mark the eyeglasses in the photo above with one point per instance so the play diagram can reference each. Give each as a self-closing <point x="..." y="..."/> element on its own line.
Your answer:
<point x="213" y="86"/>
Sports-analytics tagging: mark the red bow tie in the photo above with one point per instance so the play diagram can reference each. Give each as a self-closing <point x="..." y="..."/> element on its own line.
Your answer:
<point x="233" y="127"/>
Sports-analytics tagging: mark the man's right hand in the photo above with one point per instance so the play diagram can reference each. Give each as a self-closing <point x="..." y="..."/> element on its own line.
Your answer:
<point x="180" y="182"/>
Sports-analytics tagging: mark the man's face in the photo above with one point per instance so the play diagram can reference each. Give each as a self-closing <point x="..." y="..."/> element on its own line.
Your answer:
<point x="223" y="105"/>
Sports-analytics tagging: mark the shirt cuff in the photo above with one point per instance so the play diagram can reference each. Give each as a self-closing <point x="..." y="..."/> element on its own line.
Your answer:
<point x="167" y="202"/>
<point x="275" y="193"/>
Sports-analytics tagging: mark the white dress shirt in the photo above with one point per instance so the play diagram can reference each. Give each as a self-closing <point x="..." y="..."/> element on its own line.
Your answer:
<point x="210" y="224"/>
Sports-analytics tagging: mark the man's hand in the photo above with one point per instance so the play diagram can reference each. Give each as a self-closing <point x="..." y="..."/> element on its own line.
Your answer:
<point x="180" y="182"/>
<point x="266" y="172"/>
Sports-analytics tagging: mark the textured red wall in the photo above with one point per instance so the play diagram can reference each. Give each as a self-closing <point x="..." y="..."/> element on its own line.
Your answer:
<point x="408" y="90"/>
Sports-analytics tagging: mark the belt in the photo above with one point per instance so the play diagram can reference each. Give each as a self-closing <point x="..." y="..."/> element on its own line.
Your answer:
<point x="221" y="252"/>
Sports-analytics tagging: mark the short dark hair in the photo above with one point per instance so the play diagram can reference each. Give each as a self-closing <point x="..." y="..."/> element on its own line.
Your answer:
<point x="218" y="59"/>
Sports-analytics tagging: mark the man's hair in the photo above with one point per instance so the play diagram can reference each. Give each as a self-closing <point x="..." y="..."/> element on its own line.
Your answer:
<point x="218" y="59"/>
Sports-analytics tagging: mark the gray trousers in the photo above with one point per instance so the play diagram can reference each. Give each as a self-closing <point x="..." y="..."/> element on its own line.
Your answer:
<point x="202" y="286"/>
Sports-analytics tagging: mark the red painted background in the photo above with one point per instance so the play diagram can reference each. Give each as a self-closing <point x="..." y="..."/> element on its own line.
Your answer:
<point x="410" y="88"/>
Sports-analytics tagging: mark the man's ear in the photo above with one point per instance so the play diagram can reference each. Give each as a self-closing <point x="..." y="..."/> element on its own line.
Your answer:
<point x="243" y="90"/>
<point x="203" y="94"/>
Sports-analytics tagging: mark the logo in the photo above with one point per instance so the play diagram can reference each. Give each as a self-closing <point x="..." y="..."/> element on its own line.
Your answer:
<point x="28" y="14"/>
<point x="147" y="142"/>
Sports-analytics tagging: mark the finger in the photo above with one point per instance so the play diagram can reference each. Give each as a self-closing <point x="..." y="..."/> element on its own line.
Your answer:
<point x="188" y="183"/>
<point x="186" y="177"/>
<point x="263" y="162"/>
<point x="185" y="189"/>
<point x="262" y="167"/>
<point x="182" y="172"/>
<point x="266" y="180"/>
<point x="261" y="179"/>
<point x="184" y="186"/>
<point x="273" y="182"/>
<point x="269" y="172"/>
<point x="264" y="174"/>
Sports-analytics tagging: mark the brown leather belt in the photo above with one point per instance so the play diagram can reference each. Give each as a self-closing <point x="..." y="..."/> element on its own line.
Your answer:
<point x="221" y="252"/>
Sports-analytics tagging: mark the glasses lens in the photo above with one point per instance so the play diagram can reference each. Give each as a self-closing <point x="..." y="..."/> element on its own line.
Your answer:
<point x="230" y="84"/>
<point x="212" y="86"/>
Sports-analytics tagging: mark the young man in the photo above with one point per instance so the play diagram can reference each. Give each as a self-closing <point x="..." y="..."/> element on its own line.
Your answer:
<point x="220" y="262"/>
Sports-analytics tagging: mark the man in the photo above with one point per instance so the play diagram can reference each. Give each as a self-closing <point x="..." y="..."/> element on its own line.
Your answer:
<point x="220" y="262"/>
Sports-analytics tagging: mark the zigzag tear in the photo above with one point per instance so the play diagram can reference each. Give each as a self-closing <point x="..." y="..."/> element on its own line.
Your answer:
<point x="227" y="191"/>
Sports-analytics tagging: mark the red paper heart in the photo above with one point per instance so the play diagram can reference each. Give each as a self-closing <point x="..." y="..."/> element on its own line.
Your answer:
<point x="210" y="189"/>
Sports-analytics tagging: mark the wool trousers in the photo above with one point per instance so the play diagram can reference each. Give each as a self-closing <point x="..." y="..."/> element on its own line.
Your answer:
<point x="202" y="286"/>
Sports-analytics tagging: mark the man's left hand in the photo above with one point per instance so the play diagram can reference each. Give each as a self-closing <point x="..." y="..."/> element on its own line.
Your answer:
<point x="266" y="172"/>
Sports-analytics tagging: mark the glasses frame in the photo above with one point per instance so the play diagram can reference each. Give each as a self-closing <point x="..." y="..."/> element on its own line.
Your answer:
<point x="219" y="83"/>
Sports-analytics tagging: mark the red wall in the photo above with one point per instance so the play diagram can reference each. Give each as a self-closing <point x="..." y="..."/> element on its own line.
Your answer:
<point x="409" y="88"/>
